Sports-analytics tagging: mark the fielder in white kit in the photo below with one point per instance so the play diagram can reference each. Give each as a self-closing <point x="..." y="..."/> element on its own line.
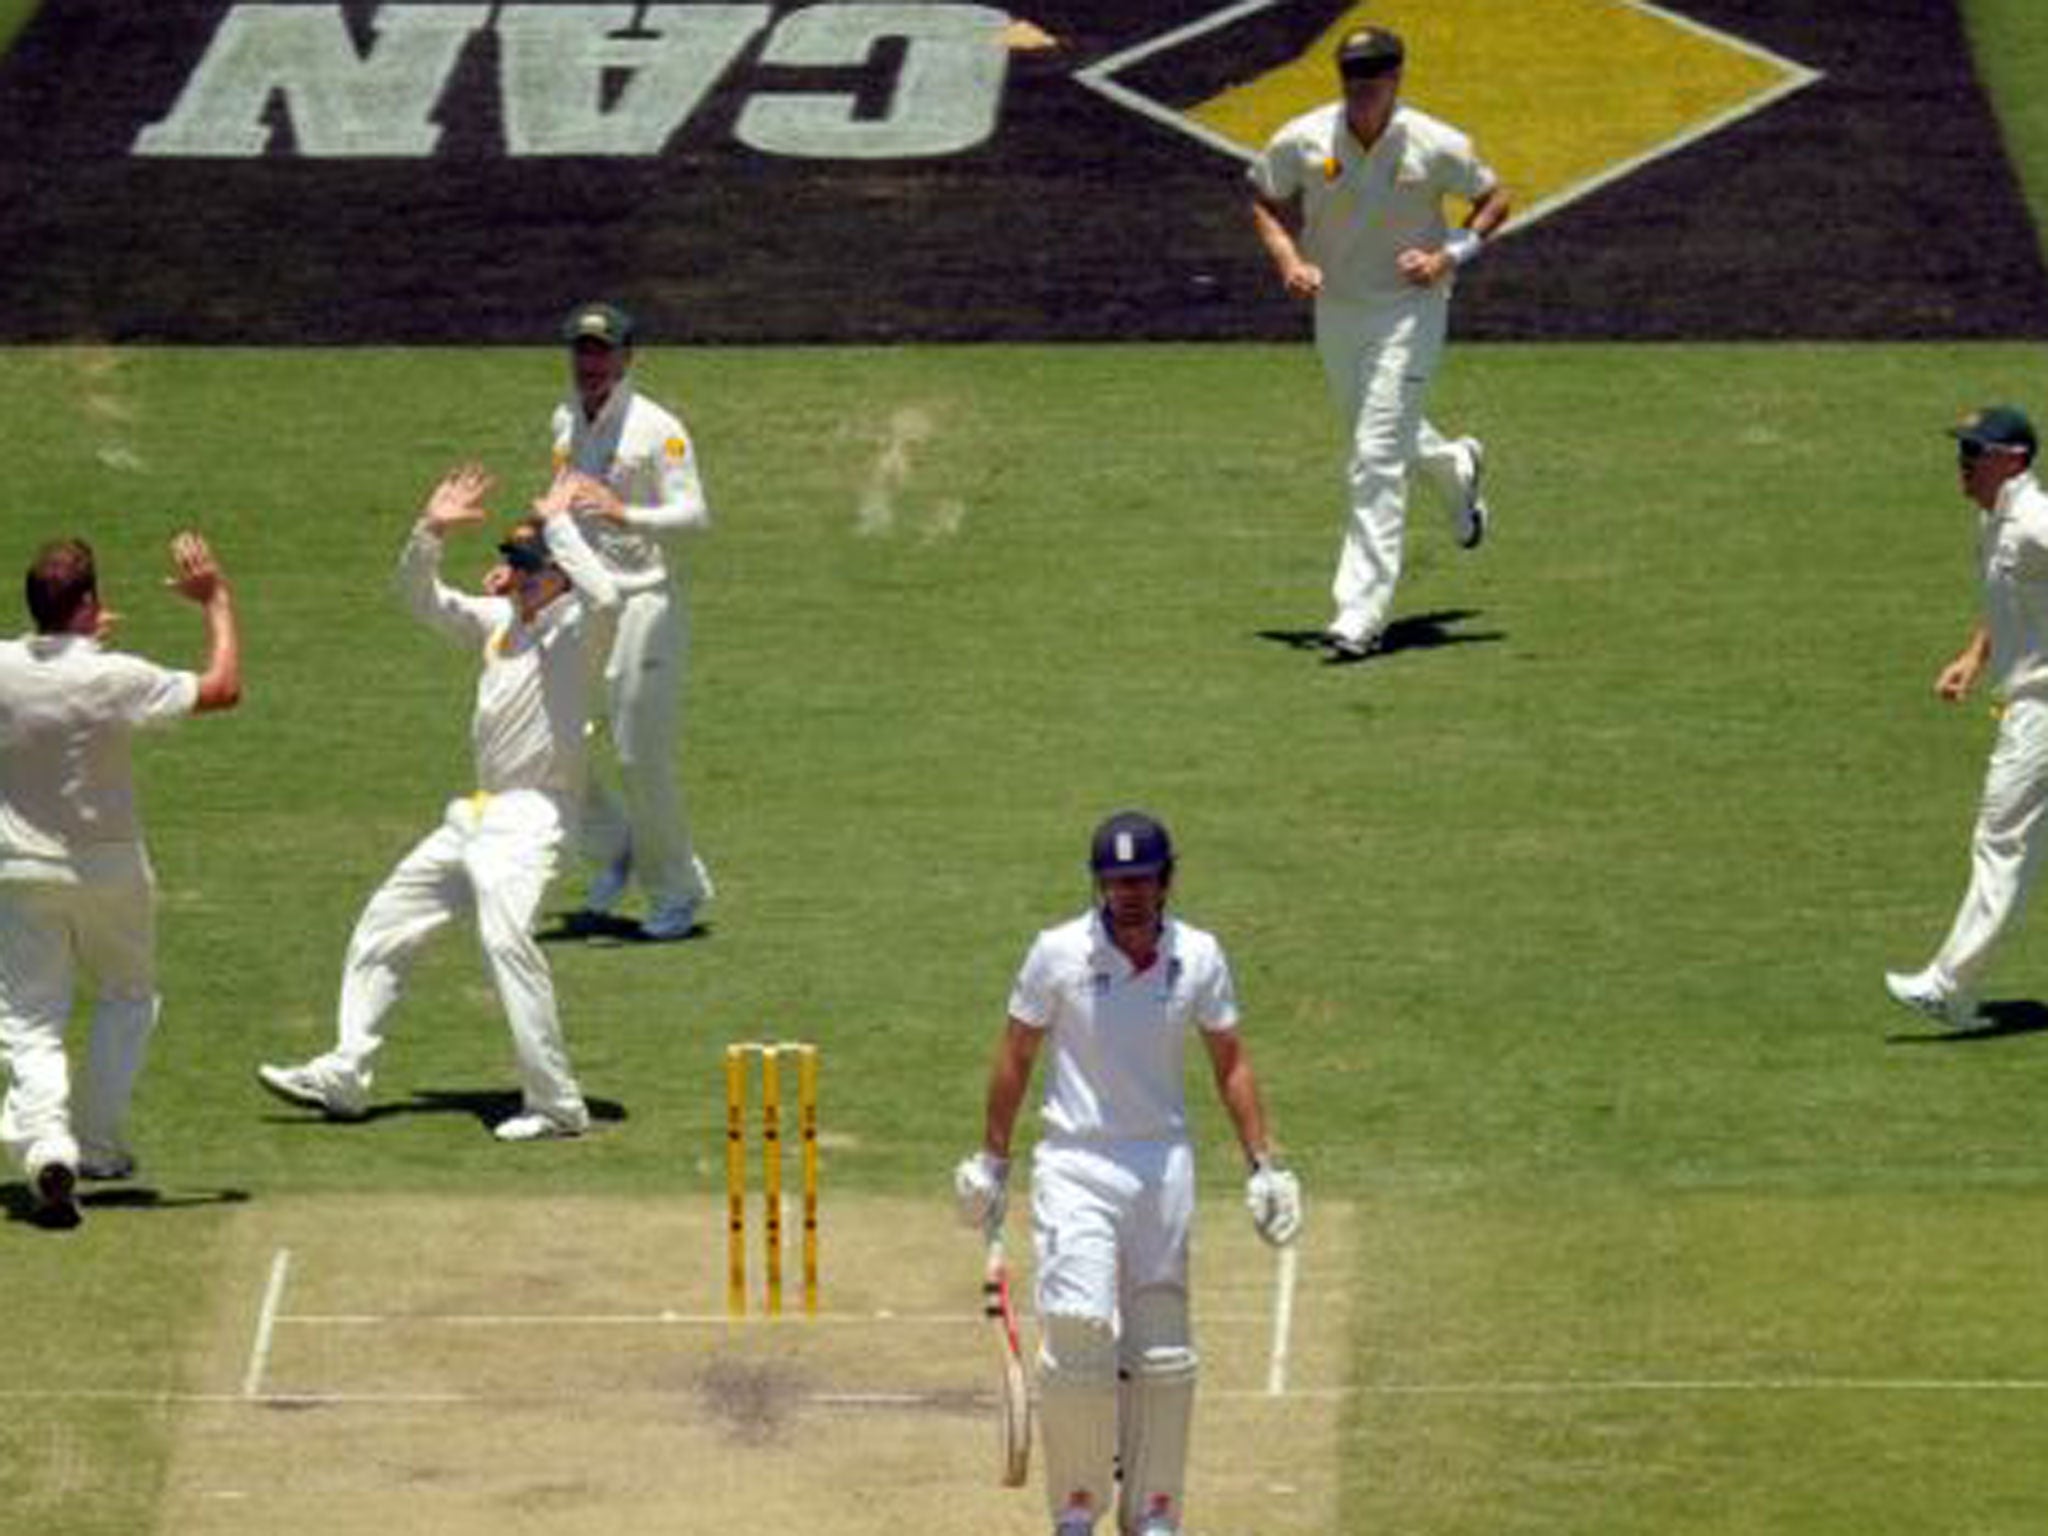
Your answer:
<point x="637" y="491"/>
<point x="77" y="893"/>
<point x="1348" y="202"/>
<point x="1116" y="991"/>
<point x="1995" y="450"/>
<point x="497" y="848"/>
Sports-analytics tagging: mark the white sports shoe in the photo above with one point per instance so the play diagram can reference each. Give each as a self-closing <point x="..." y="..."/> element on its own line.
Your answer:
<point x="671" y="920"/>
<point x="1340" y="647"/>
<point x="106" y="1167"/>
<point x="1931" y="993"/>
<point x="1474" y="517"/>
<point x="310" y="1088"/>
<point x="532" y="1126"/>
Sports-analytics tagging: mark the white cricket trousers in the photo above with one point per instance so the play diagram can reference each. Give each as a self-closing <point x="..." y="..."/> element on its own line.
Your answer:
<point x="492" y="857"/>
<point x="2005" y="849"/>
<point x="1109" y="1220"/>
<point x="1110" y="1223"/>
<point x="643" y="678"/>
<point x="1378" y="361"/>
<point x="103" y="927"/>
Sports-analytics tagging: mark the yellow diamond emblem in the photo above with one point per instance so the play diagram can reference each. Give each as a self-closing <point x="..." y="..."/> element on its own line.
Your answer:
<point x="1561" y="96"/>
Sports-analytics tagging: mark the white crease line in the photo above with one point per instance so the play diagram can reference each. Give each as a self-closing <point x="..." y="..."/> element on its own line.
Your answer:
<point x="1283" y="1320"/>
<point x="663" y="1319"/>
<point x="1872" y="1386"/>
<point x="266" y="1324"/>
<point x="673" y="1319"/>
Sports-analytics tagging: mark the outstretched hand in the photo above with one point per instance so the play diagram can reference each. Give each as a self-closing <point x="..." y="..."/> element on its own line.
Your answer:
<point x="195" y="574"/>
<point x="458" y="500"/>
<point x="563" y="494"/>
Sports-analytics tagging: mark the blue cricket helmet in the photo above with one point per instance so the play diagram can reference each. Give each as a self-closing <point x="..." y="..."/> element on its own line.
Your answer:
<point x="1130" y="843"/>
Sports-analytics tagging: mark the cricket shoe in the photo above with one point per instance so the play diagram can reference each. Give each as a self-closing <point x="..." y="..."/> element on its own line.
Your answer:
<point x="56" y="1185"/>
<point x="1473" y="517"/>
<point x="670" y="920"/>
<point x="106" y="1167"/>
<point x="310" y="1088"/>
<point x="1931" y="993"/>
<point x="1340" y="649"/>
<point x="532" y="1126"/>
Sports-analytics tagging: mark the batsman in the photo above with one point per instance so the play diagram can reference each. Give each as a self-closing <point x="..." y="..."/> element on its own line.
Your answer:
<point x="1116" y="991"/>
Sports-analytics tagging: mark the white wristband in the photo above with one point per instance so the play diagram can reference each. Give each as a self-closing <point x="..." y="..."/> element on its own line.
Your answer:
<point x="1461" y="245"/>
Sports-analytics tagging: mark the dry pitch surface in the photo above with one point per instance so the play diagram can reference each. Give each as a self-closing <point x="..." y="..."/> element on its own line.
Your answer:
<point x="498" y="1367"/>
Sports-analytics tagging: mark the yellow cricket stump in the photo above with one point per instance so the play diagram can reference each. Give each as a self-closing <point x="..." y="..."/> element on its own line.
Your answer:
<point x="736" y="1075"/>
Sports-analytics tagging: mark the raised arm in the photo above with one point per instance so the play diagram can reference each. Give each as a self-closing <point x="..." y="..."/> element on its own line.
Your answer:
<point x="196" y="576"/>
<point x="586" y="573"/>
<point x="456" y="501"/>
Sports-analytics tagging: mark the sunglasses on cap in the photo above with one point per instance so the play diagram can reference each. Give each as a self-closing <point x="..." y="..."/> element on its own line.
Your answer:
<point x="527" y="556"/>
<point x="1969" y="451"/>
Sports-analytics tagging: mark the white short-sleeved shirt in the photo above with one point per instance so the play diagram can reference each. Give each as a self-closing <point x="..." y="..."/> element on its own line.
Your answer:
<point x="68" y="708"/>
<point x="1118" y="1037"/>
<point x="644" y="454"/>
<point x="1361" y="208"/>
<point x="2013" y="549"/>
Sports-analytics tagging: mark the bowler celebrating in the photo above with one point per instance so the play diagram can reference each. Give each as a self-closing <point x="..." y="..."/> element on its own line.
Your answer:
<point x="77" y="894"/>
<point x="1115" y="992"/>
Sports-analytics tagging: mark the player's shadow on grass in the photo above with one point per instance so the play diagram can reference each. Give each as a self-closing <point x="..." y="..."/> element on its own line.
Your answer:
<point x="604" y="930"/>
<point x="19" y="1202"/>
<point x="1995" y="1021"/>
<point x="487" y="1105"/>
<point x="1412" y="632"/>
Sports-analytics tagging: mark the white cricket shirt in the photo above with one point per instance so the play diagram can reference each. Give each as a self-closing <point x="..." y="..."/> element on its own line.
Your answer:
<point x="533" y="694"/>
<point x="643" y="453"/>
<point x="2013" y="549"/>
<point x="1117" y="1037"/>
<point x="1361" y="208"/>
<point x="68" y="709"/>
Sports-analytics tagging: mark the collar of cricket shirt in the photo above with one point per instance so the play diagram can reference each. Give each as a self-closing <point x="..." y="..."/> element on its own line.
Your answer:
<point x="1105" y="954"/>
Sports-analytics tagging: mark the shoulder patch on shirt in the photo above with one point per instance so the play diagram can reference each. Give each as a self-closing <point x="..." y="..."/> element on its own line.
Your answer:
<point x="677" y="448"/>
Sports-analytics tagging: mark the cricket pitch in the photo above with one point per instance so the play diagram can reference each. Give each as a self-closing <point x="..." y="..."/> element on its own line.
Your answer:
<point x="487" y="1366"/>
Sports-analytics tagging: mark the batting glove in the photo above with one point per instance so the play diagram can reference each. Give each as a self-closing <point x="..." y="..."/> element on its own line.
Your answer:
<point x="981" y="1190"/>
<point x="1273" y="1196"/>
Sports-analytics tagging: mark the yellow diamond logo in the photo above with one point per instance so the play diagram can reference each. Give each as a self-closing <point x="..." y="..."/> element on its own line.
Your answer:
<point x="1561" y="96"/>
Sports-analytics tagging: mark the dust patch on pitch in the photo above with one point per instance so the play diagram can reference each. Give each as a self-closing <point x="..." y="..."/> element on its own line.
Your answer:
<point x="754" y="1401"/>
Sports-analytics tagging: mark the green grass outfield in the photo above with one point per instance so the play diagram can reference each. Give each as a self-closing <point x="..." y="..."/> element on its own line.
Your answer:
<point x="1560" y="945"/>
